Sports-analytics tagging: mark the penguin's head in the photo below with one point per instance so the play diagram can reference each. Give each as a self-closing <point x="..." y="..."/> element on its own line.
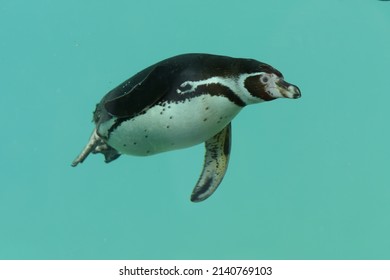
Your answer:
<point x="269" y="84"/>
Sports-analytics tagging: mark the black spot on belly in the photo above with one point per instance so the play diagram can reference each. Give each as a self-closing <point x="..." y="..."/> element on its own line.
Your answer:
<point x="124" y="145"/>
<point x="167" y="126"/>
<point x="205" y="119"/>
<point x="146" y="136"/>
<point x="171" y="117"/>
<point x="134" y="143"/>
<point x="148" y="152"/>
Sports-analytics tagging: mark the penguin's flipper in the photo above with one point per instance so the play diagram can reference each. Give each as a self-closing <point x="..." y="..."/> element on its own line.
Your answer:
<point x="215" y="164"/>
<point x="142" y="96"/>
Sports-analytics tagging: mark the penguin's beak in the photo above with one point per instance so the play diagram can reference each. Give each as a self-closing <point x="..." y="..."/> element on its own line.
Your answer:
<point x="288" y="90"/>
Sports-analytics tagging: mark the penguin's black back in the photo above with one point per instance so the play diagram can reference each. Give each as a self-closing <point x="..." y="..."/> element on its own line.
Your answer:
<point x="178" y="69"/>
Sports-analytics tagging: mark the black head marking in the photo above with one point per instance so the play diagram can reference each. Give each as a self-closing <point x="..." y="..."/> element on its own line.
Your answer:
<point x="256" y="88"/>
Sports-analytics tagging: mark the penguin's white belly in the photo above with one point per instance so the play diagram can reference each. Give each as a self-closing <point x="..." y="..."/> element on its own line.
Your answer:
<point x="172" y="126"/>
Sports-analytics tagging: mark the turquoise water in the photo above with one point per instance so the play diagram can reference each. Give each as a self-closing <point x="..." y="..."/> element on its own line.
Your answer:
<point x="308" y="178"/>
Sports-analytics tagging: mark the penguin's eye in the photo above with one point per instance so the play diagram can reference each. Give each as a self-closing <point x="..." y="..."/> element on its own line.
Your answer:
<point x="264" y="79"/>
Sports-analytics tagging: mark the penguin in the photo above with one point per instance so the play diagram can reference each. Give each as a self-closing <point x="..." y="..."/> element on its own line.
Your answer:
<point x="180" y="102"/>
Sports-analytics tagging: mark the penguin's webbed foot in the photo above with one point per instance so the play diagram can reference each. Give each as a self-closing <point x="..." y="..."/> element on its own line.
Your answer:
<point x="96" y="145"/>
<point x="109" y="153"/>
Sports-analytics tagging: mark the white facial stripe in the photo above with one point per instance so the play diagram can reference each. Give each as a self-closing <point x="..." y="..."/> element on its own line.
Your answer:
<point x="227" y="82"/>
<point x="235" y="84"/>
<point x="245" y="95"/>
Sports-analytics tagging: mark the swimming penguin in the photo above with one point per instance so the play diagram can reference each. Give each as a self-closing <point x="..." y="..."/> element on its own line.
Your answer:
<point x="180" y="102"/>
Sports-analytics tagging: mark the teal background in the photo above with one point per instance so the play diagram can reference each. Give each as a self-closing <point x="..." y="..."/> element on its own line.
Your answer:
<point x="308" y="178"/>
